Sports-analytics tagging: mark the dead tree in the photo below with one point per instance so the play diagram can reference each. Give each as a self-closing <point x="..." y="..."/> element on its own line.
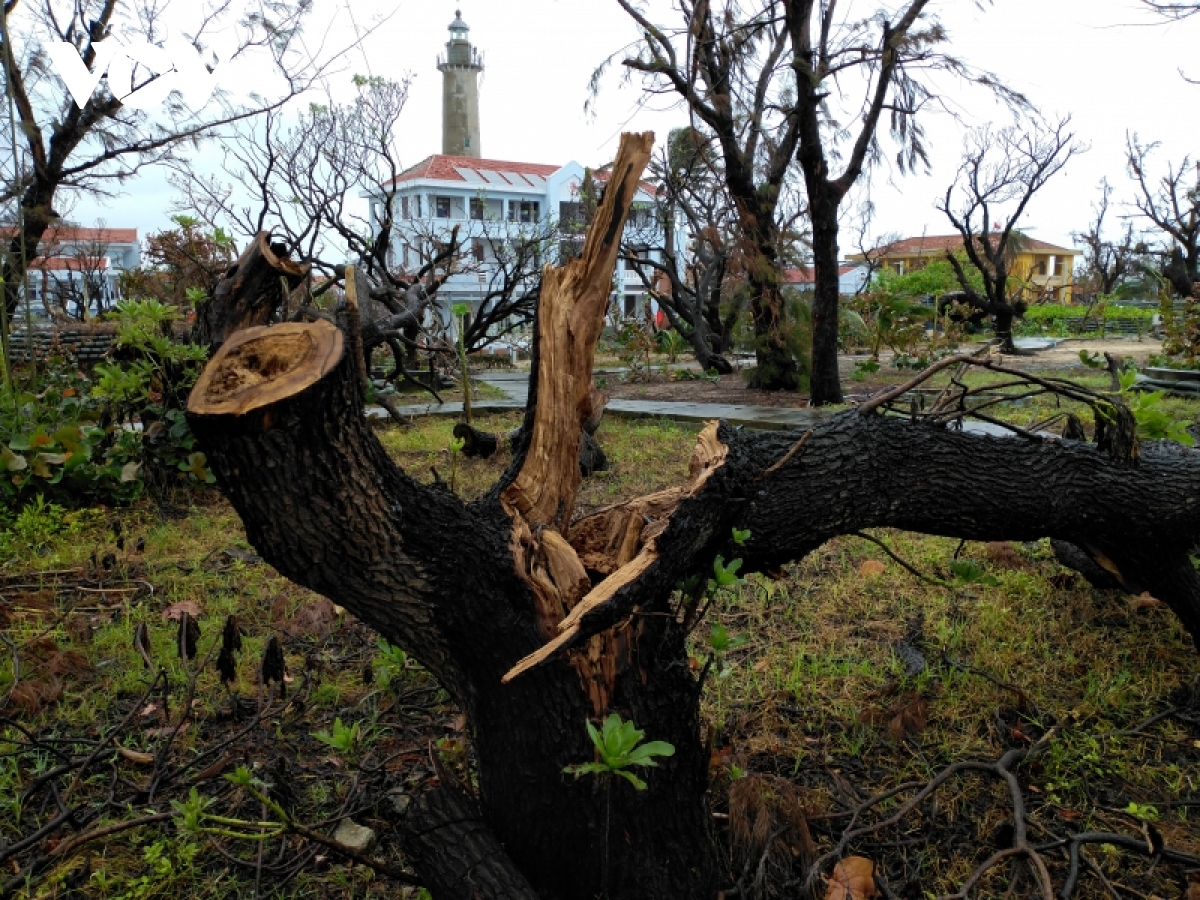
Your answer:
<point x="535" y="621"/>
<point x="999" y="175"/>
<point x="1108" y="263"/>
<point x="1172" y="205"/>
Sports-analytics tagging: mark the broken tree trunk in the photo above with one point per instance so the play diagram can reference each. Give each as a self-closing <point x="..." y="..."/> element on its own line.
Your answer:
<point x="536" y="622"/>
<point x="249" y="293"/>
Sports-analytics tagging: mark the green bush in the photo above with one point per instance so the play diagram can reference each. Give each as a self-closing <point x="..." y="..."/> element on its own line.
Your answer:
<point x="74" y="439"/>
<point x="1046" y="312"/>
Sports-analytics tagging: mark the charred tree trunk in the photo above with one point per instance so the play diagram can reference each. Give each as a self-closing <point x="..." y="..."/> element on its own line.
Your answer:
<point x="825" y="384"/>
<point x="536" y="622"/>
<point x="249" y="293"/>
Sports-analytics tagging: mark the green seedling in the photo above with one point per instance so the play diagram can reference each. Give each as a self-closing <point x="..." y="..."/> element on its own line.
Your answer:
<point x="391" y="662"/>
<point x="344" y="739"/>
<point x="966" y="572"/>
<point x="726" y="575"/>
<point x="1143" y="811"/>
<point x="619" y="745"/>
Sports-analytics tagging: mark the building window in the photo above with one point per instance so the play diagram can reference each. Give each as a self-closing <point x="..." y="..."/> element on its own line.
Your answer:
<point x="570" y="216"/>
<point x="404" y="208"/>
<point x="477" y="249"/>
<point x="478" y="208"/>
<point x="417" y="207"/>
<point x="631" y="304"/>
<point x="407" y="255"/>
<point x="522" y="211"/>
<point x="442" y="210"/>
<point x="640" y="214"/>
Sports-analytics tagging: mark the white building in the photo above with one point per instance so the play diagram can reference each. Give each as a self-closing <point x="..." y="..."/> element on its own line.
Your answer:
<point x="852" y="278"/>
<point x="495" y="201"/>
<point x="73" y="262"/>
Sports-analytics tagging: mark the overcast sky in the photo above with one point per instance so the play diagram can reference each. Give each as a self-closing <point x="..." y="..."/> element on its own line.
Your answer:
<point x="1106" y="63"/>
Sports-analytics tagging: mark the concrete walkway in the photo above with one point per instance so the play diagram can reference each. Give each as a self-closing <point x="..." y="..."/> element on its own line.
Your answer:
<point x="516" y="386"/>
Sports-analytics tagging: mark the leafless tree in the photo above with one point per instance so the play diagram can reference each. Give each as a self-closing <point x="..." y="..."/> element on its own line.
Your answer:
<point x="1000" y="172"/>
<point x="731" y="68"/>
<point x="1107" y="263"/>
<point x="1174" y="10"/>
<point x="697" y="289"/>
<point x="94" y="149"/>
<point x="809" y="80"/>
<point x="1171" y="204"/>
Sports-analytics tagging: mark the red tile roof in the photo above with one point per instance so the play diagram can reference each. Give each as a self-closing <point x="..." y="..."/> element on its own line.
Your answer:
<point x="937" y="244"/>
<point x="68" y="234"/>
<point x="70" y="263"/>
<point x="442" y="168"/>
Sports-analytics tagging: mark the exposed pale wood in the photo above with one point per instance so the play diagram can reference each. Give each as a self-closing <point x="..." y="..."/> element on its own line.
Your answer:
<point x="600" y="594"/>
<point x="571" y="313"/>
<point x="260" y="366"/>
<point x="565" y="568"/>
<point x="356" y="286"/>
<point x="708" y="456"/>
<point x="622" y="540"/>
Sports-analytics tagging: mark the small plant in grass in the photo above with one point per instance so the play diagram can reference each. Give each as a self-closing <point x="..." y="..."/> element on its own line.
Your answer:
<point x="1143" y="811"/>
<point x="455" y="447"/>
<point x="461" y="311"/>
<point x="863" y="368"/>
<point x="389" y="664"/>
<point x="343" y="738"/>
<point x="619" y="745"/>
<point x="721" y="642"/>
<point x="965" y="572"/>
<point x="1154" y="423"/>
<point x="672" y="343"/>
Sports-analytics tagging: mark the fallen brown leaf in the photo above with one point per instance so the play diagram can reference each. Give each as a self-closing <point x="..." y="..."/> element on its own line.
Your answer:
<point x="136" y="756"/>
<point x="32" y="694"/>
<point x="907" y="716"/>
<point x="871" y="567"/>
<point x="1004" y="555"/>
<point x="173" y="612"/>
<point x="852" y="879"/>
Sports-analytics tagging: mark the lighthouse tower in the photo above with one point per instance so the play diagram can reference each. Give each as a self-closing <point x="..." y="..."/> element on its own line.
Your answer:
<point x="460" y="68"/>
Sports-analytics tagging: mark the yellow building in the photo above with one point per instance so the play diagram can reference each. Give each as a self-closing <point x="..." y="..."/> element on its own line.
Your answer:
<point x="1046" y="270"/>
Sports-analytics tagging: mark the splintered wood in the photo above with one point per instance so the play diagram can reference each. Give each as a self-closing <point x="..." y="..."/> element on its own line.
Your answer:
<point x="621" y="543"/>
<point x="571" y="312"/>
<point x="259" y="366"/>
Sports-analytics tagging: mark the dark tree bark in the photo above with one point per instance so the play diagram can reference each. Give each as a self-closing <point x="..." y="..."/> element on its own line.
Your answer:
<point x="815" y="62"/>
<point x="249" y="293"/>
<point x="535" y="622"/>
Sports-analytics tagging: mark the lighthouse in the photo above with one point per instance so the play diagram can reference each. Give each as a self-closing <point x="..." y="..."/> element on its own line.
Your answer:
<point x="460" y="68"/>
